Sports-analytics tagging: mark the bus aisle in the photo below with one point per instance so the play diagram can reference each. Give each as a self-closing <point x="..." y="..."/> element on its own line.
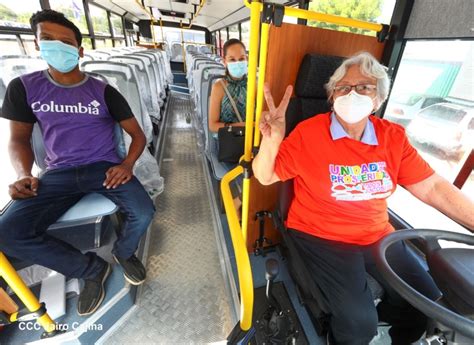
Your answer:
<point x="184" y="297"/>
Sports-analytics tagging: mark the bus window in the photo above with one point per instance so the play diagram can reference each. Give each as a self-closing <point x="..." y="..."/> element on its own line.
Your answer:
<point x="86" y="43"/>
<point x="16" y="14"/>
<point x="72" y="10"/>
<point x="234" y="31"/>
<point x="119" y="43"/>
<point x="99" y="21"/>
<point x="9" y="45"/>
<point x="379" y="11"/>
<point x="437" y="111"/>
<point x="245" y="29"/>
<point x="116" y="25"/>
<point x="29" y="45"/>
<point x="99" y="44"/>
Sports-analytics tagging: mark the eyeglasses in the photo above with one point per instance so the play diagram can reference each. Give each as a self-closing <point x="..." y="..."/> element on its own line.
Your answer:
<point x="362" y="89"/>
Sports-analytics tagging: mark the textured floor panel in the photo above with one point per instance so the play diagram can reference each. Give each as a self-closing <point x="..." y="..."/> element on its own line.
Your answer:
<point x="184" y="299"/>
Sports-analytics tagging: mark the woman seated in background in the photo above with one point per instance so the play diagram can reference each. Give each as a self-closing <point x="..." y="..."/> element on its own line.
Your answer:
<point x="221" y="109"/>
<point x="345" y="164"/>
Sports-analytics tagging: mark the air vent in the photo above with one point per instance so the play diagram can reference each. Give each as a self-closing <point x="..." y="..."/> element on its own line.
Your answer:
<point x="172" y="13"/>
<point x="180" y="1"/>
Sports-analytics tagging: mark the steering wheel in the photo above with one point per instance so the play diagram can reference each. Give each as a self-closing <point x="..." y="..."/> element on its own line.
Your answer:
<point x="451" y="319"/>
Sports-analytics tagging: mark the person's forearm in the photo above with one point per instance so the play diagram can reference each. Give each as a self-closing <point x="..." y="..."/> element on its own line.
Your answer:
<point x="264" y="163"/>
<point x="135" y="150"/>
<point x="453" y="203"/>
<point x="21" y="157"/>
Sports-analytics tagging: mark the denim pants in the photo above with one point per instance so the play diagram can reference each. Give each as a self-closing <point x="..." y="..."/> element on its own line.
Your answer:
<point x="23" y="226"/>
<point x="339" y="269"/>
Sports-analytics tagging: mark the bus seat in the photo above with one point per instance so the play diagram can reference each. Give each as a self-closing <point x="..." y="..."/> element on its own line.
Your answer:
<point x="176" y="52"/>
<point x="91" y="209"/>
<point x="123" y="77"/>
<point x="156" y="88"/>
<point x="209" y="75"/>
<point x="159" y="69"/>
<point x="310" y="100"/>
<point x="144" y="83"/>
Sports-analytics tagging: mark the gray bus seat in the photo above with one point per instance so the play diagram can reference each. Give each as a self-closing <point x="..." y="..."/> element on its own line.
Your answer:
<point x="156" y="89"/>
<point x="123" y="77"/>
<point x="143" y="75"/>
<point x="158" y="72"/>
<point x="177" y="52"/>
<point x="89" y="210"/>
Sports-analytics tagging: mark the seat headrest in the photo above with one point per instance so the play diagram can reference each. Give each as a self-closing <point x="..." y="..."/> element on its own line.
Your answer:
<point x="315" y="71"/>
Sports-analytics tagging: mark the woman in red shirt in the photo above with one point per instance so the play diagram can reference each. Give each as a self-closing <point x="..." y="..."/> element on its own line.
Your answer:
<point x="345" y="164"/>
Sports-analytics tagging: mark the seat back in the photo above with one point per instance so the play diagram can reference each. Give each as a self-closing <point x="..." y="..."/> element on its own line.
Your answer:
<point x="142" y="72"/>
<point x="123" y="78"/>
<point x="311" y="99"/>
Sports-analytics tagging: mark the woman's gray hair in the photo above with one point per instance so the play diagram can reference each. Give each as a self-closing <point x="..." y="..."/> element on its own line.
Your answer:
<point x="370" y="67"/>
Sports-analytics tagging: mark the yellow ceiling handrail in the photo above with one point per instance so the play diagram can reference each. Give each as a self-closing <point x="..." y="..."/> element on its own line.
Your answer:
<point x="152" y="21"/>
<point x="328" y="18"/>
<point x="201" y="5"/>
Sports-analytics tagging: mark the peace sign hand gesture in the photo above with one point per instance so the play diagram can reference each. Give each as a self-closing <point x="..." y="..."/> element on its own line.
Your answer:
<point x="272" y="122"/>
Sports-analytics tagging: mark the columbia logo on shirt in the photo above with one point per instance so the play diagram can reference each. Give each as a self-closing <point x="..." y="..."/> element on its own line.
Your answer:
<point x="92" y="108"/>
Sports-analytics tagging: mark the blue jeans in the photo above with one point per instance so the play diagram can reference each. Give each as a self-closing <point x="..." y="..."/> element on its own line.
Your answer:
<point x="23" y="226"/>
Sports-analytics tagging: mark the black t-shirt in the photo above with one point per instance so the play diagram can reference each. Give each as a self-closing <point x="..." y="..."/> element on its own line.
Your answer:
<point x="16" y="108"/>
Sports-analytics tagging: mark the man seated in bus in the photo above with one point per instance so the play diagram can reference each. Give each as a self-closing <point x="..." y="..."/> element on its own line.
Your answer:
<point x="345" y="164"/>
<point x="228" y="107"/>
<point x="77" y="115"/>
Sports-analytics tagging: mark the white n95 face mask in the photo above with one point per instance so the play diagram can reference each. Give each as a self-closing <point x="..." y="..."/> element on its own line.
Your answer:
<point x="353" y="107"/>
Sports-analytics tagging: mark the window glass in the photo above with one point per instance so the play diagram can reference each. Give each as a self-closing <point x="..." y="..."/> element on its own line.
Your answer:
<point x="86" y="43"/>
<point x="9" y="45"/>
<point x="73" y="10"/>
<point x="29" y="44"/>
<point x="245" y="29"/>
<point x="119" y="43"/>
<point x="234" y="31"/>
<point x="377" y="11"/>
<point x="221" y="42"/>
<point x="116" y="25"/>
<point x="99" y="43"/>
<point x="436" y="108"/>
<point x="173" y="35"/>
<point x="14" y="13"/>
<point x="99" y="19"/>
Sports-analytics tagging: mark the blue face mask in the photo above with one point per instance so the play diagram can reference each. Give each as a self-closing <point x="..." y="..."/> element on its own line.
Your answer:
<point x="61" y="56"/>
<point x="237" y="69"/>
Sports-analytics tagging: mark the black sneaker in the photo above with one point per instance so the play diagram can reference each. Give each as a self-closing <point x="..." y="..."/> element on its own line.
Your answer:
<point x="93" y="292"/>
<point x="133" y="269"/>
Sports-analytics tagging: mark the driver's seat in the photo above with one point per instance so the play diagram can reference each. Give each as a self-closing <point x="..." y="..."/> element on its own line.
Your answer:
<point x="453" y="271"/>
<point x="311" y="99"/>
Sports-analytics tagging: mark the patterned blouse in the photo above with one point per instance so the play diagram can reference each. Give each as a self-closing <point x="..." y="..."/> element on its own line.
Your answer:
<point x="238" y="91"/>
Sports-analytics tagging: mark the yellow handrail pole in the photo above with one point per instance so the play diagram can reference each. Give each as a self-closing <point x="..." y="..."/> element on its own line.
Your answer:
<point x="184" y="50"/>
<point x="244" y="270"/>
<point x="11" y="277"/>
<point x="201" y="5"/>
<point x="161" y="27"/>
<point x="250" y="107"/>
<point x="261" y="80"/>
<point x="328" y="18"/>
<point x="152" y="21"/>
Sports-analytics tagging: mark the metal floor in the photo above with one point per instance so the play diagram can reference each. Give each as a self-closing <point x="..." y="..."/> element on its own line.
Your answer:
<point x="184" y="299"/>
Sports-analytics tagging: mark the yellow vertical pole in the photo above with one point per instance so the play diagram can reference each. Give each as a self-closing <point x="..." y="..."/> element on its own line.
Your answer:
<point x="261" y="80"/>
<point x="11" y="277"/>
<point x="250" y="108"/>
<point x="184" y="50"/>
<point x="162" y="35"/>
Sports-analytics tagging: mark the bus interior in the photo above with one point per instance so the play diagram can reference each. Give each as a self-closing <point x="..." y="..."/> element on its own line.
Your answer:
<point x="220" y="272"/>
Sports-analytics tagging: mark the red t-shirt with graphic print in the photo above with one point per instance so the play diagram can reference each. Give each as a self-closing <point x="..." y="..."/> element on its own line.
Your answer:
<point x="341" y="185"/>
